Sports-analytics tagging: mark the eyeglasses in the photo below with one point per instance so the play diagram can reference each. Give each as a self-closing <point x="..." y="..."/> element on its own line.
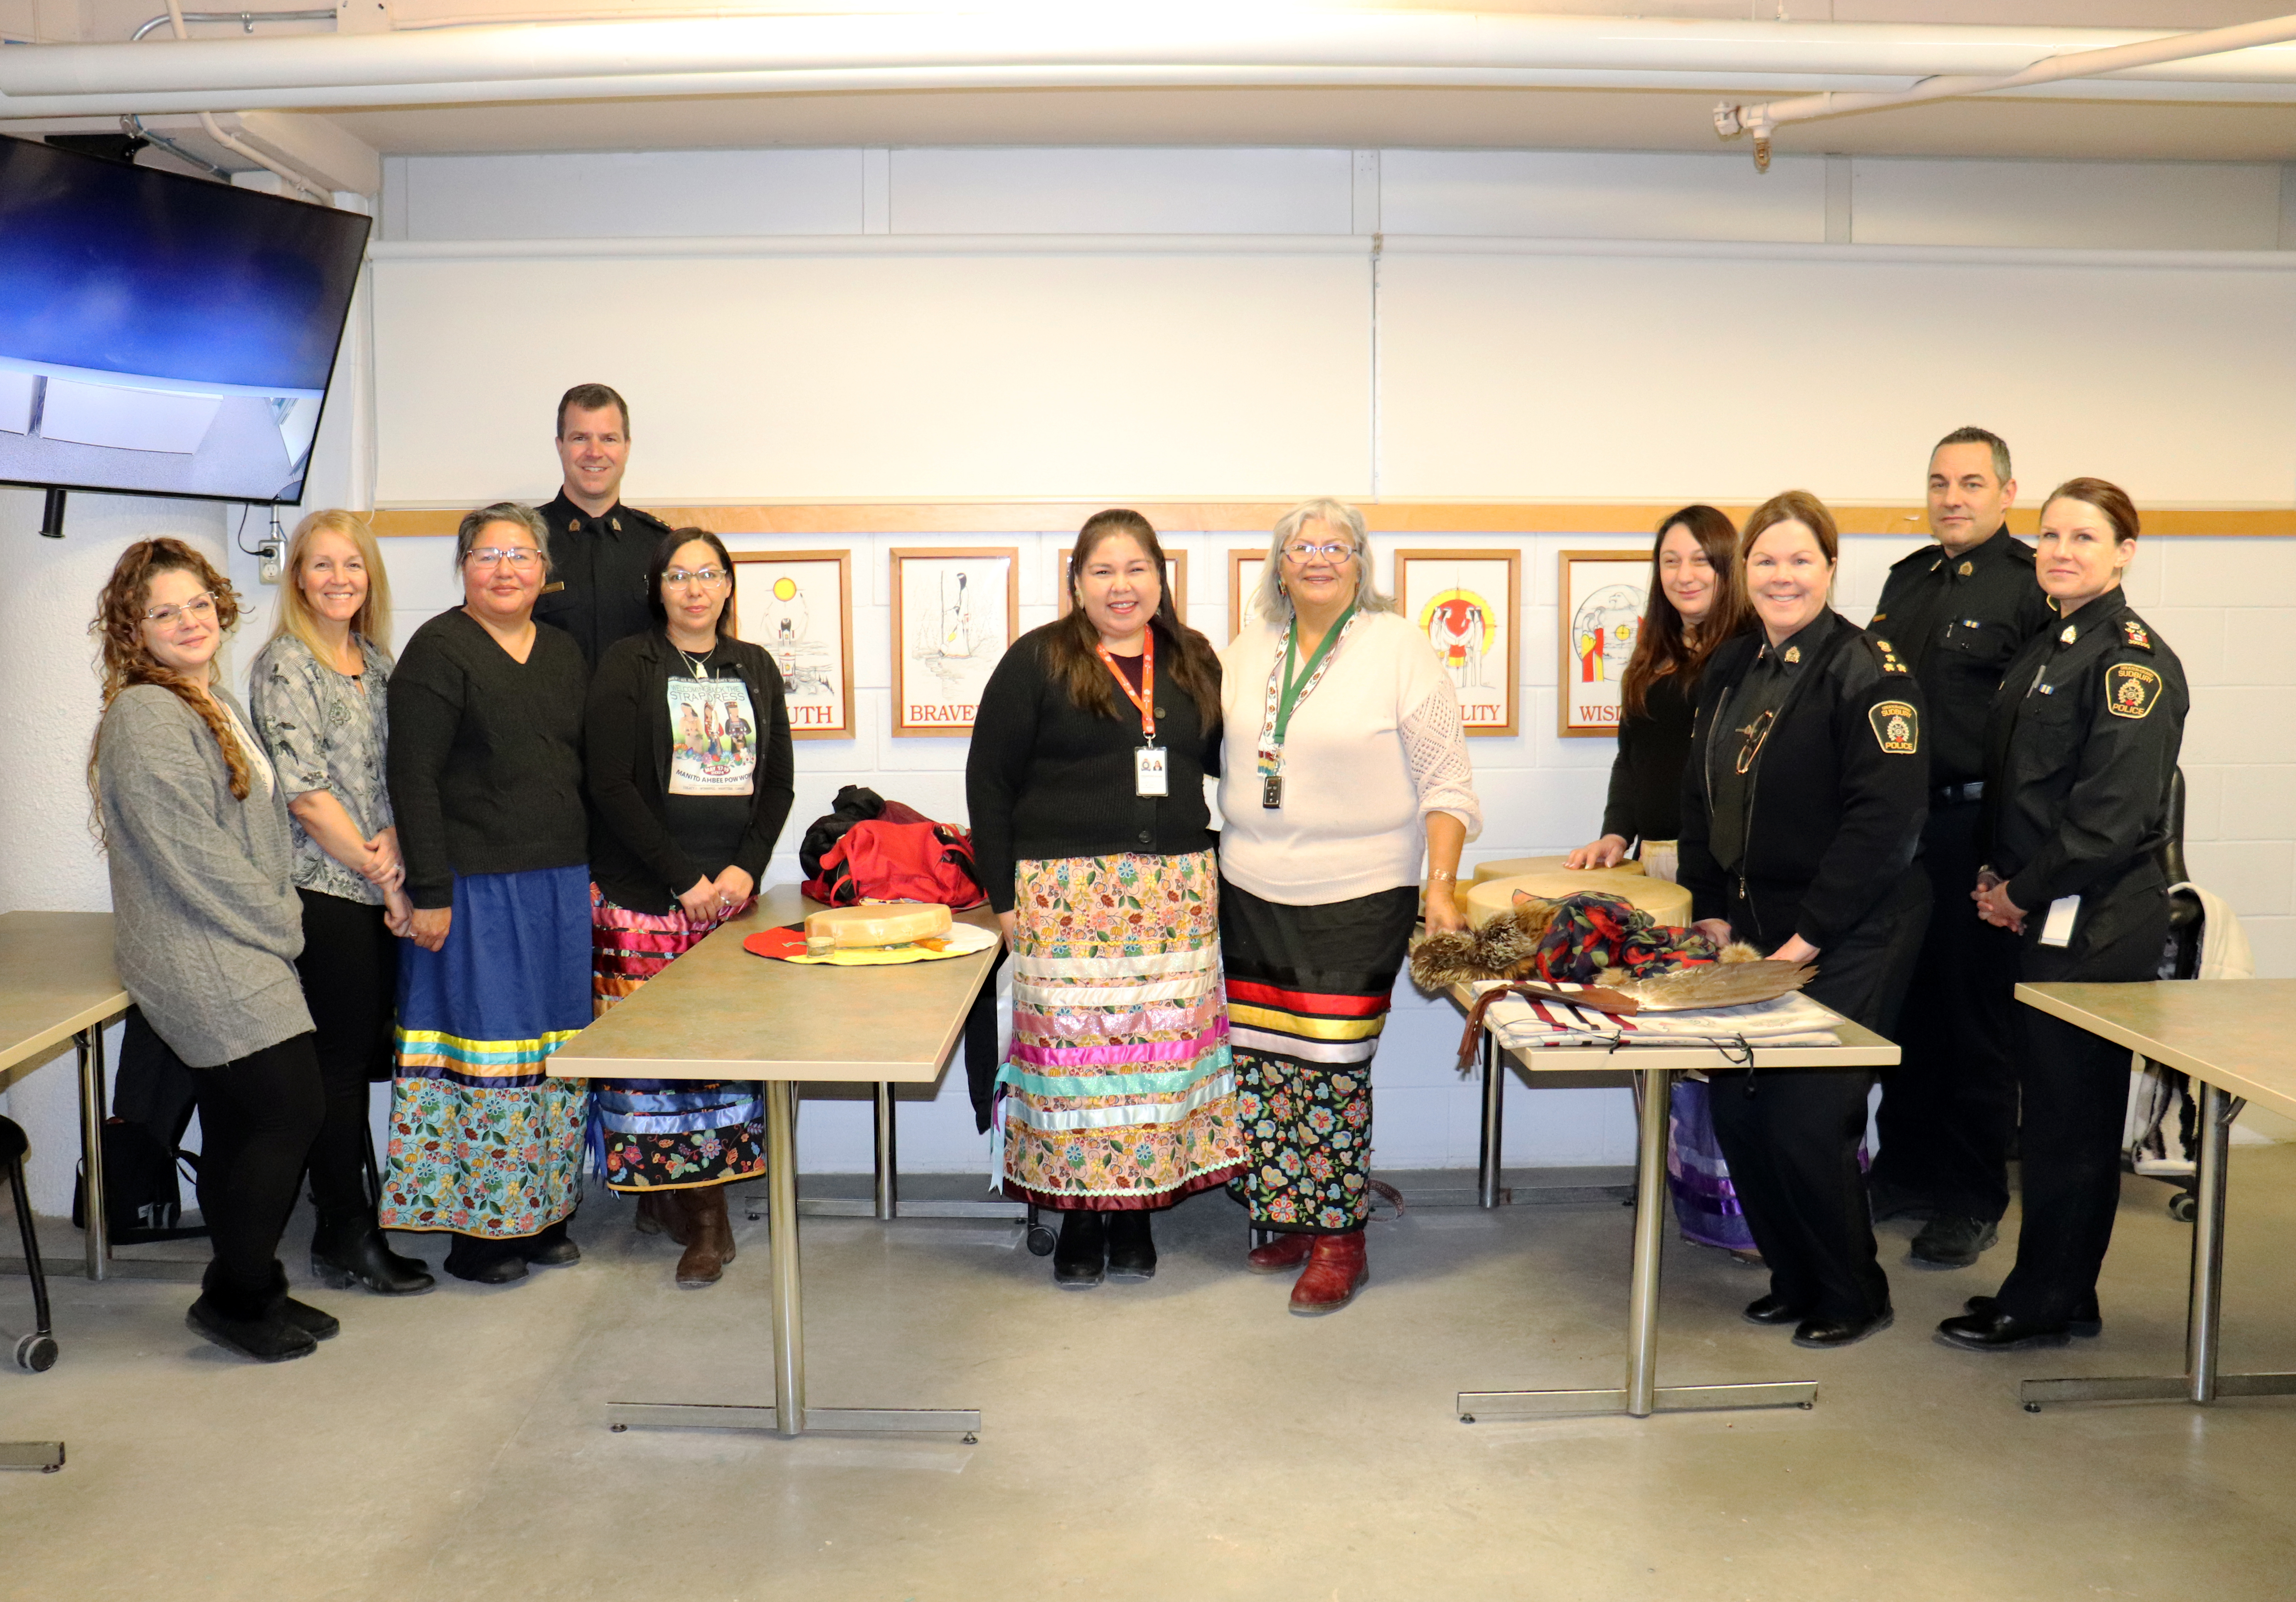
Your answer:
<point x="199" y="608"/>
<point x="520" y="557"/>
<point x="706" y="577"/>
<point x="1303" y="553"/>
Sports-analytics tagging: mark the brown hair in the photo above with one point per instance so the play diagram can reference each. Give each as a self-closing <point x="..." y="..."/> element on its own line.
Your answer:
<point x="1068" y="657"/>
<point x="592" y="397"/>
<point x="1991" y="441"/>
<point x="118" y="627"/>
<point x="2110" y="499"/>
<point x="371" y="622"/>
<point x="1795" y="506"/>
<point x="1661" y="646"/>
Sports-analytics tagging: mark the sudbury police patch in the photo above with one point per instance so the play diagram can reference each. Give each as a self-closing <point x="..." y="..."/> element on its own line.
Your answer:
<point x="2130" y="689"/>
<point x="1897" y="727"/>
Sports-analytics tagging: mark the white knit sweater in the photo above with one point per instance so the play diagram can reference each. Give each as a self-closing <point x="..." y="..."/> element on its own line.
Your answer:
<point x="1376" y="747"/>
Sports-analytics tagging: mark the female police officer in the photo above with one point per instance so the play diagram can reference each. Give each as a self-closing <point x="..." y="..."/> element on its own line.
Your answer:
<point x="1803" y="807"/>
<point x="2081" y="749"/>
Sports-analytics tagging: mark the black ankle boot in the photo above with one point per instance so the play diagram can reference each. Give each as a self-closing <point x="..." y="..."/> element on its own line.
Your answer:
<point x="1131" y="1246"/>
<point x="550" y="1247"/>
<point x="350" y="1250"/>
<point x="254" y="1324"/>
<point x="484" y="1262"/>
<point x="1080" y="1259"/>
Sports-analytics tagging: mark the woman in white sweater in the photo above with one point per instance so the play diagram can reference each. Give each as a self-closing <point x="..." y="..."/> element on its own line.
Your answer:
<point x="1345" y="769"/>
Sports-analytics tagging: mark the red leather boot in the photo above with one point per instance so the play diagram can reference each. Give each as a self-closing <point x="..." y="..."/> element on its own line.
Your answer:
<point x="1287" y="1251"/>
<point x="1336" y="1269"/>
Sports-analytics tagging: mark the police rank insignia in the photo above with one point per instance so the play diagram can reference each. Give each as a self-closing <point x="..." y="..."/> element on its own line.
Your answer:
<point x="1897" y="727"/>
<point x="1966" y="569"/>
<point x="2068" y="636"/>
<point x="2134" y="633"/>
<point x="1793" y="653"/>
<point x="2130" y="689"/>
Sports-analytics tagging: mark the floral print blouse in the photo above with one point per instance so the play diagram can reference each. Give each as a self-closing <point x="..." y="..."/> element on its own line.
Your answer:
<point x="324" y="733"/>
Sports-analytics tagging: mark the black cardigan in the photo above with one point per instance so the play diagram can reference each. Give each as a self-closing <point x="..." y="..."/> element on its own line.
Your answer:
<point x="1045" y="778"/>
<point x="1835" y="815"/>
<point x="484" y="765"/>
<point x="633" y="856"/>
<point x="1645" y="798"/>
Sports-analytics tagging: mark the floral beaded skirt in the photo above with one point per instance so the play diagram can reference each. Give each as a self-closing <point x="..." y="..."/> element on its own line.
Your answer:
<point x="1118" y="1092"/>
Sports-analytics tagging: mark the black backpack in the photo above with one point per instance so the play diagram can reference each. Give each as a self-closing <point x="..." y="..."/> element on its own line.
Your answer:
<point x="153" y="1100"/>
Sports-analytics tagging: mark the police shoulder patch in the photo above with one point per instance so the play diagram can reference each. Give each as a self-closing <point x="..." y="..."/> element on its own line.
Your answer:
<point x="2133" y="632"/>
<point x="1897" y="727"/>
<point x="2131" y="689"/>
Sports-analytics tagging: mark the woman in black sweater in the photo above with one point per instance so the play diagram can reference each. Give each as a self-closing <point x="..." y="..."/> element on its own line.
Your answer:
<point x="1086" y="786"/>
<point x="685" y="826"/>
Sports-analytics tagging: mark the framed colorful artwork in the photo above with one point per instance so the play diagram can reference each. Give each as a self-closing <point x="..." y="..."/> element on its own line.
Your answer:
<point x="1469" y="604"/>
<point x="1600" y="617"/>
<point x="1244" y="570"/>
<point x="798" y="605"/>
<point x="1176" y="579"/>
<point x="955" y="612"/>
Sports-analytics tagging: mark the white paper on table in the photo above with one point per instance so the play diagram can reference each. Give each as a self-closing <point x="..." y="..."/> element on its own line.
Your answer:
<point x="1791" y="1020"/>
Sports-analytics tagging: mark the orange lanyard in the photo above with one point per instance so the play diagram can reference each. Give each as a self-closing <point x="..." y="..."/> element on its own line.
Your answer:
<point x="1145" y="697"/>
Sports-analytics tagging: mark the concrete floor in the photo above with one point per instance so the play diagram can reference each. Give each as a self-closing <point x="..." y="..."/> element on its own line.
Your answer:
<point x="1183" y="1439"/>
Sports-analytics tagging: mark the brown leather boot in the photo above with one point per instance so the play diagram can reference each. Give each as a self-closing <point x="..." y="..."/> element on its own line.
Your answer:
<point x="711" y="1246"/>
<point x="1281" y="1254"/>
<point x="1335" y="1270"/>
<point x="659" y="1213"/>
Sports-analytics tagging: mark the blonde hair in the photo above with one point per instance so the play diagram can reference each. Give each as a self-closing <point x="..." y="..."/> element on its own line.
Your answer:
<point x="371" y="622"/>
<point x="1270" y="601"/>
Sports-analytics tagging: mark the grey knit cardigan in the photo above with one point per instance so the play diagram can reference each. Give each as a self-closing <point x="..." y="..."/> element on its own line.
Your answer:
<point x="206" y="924"/>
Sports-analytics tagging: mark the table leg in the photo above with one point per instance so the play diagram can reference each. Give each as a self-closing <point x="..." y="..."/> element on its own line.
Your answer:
<point x="888" y="1158"/>
<point x="97" y="1235"/>
<point x="46" y="1456"/>
<point x="1487" y="1191"/>
<point x="1641" y="1396"/>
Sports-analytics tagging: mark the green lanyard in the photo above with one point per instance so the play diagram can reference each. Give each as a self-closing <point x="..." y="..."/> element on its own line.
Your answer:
<point x="1292" y="686"/>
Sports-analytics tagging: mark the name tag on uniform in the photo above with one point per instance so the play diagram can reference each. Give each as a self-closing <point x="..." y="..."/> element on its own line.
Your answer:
<point x="2058" y="930"/>
<point x="1150" y="776"/>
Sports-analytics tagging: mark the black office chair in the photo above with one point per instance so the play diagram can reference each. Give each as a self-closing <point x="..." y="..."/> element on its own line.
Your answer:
<point x="2180" y="959"/>
<point x="38" y="1350"/>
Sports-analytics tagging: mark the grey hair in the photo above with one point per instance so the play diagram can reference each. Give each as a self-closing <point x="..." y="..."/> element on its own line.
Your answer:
<point x="1270" y="601"/>
<point x="1991" y="441"/>
<point x="474" y="523"/>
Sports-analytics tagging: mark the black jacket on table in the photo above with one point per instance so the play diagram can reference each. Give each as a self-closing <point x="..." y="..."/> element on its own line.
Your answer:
<point x="626" y="744"/>
<point x="1645" y="798"/>
<point x="1837" y="789"/>
<point x="597" y="591"/>
<point x="2080" y="752"/>
<point x="1956" y="621"/>
<point x="1045" y="778"/>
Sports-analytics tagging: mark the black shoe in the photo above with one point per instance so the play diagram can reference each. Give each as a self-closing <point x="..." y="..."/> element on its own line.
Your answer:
<point x="272" y="1338"/>
<point x="484" y="1262"/>
<point x="1772" y="1309"/>
<point x="1131" y="1246"/>
<point x="351" y="1251"/>
<point x="1887" y="1201"/>
<point x="1823" y="1335"/>
<point x="1998" y="1331"/>
<point x="550" y="1248"/>
<point x="319" y="1326"/>
<point x="2085" y="1322"/>
<point x="1080" y="1256"/>
<point x="1947" y="1241"/>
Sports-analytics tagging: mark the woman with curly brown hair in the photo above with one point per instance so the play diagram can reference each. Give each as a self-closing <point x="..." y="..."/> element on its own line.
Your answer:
<point x="207" y="926"/>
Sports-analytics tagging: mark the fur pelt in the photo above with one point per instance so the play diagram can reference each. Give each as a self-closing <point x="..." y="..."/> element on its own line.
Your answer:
<point x="1507" y="948"/>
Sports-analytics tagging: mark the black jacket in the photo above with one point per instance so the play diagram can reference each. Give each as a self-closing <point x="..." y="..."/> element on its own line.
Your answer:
<point x="1837" y="801"/>
<point x="597" y="591"/>
<point x="1956" y="621"/>
<point x="1045" y="778"/>
<point x="1645" y="798"/>
<point x="2081" y="749"/>
<point x="626" y="744"/>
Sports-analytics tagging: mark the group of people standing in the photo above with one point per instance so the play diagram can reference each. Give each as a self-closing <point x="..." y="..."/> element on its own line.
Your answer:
<point x="438" y="869"/>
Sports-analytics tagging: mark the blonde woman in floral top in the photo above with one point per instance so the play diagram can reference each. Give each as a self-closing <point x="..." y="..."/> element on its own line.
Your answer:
<point x="317" y="694"/>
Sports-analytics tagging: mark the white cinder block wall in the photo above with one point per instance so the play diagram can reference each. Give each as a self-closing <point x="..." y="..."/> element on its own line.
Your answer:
<point x="1180" y="323"/>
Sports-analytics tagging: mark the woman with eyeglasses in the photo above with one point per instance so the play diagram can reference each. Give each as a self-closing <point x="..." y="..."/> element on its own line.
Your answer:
<point x="1345" y="770"/>
<point x="684" y="829"/>
<point x="319" y="690"/>
<point x="486" y="783"/>
<point x="207" y="926"/>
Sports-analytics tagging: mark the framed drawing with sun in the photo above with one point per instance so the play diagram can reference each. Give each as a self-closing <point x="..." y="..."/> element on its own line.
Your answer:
<point x="955" y="612"/>
<point x="1601" y="616"/>
<point x="1467" y="603"/>
<point x="1244" y="570"/>
<point x="1176" y="580"/>
<point x="799" y="606"/>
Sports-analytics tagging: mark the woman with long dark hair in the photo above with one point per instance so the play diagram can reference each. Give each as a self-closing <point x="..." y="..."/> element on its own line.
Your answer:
<point x="1086" y="784"/>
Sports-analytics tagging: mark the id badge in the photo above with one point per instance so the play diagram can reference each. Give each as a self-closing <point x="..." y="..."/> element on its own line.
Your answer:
<point x="2059" y="928"/>
<point x="1150" y="776"/>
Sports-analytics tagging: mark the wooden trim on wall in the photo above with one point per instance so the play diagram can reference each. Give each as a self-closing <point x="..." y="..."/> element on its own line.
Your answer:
<point x="1256" y="516"/>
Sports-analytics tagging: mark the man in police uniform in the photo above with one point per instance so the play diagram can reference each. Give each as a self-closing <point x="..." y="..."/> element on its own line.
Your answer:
<point x="599" y="549"/>
<point x="1957" y="611"/>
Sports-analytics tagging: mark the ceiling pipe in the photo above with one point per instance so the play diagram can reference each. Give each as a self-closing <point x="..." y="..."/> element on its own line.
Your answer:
<point x="241" y="147"/>
<point x="1763" y="121"/>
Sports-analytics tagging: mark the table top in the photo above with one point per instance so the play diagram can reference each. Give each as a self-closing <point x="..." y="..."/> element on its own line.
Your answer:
<point x="55" y="980"/>
<point x="1860" y="1047"/>
<point x="720" y="1012"/>
<point x="2233" y="1034"/>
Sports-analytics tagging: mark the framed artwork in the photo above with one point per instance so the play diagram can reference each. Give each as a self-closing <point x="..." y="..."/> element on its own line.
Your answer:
<point x="1244" y="570"/>
<point x="1468" y="603"/>
<point x="955" y="612"/>
<point x="798" y="605"/>
<point x="1176" y="579"/>
<point x="1600" y="618"/>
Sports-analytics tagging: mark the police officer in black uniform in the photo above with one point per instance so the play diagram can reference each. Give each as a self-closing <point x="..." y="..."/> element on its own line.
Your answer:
<point x="2080" y="750"/>
<point x="1957" y="611"/>
<point x="1801" y="812"/>
<point x="599" y="548"/>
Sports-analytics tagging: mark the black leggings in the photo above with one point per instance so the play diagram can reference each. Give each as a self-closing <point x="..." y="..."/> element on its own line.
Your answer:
<point x="257" y="1114"/>
<point x="349" y="967"/>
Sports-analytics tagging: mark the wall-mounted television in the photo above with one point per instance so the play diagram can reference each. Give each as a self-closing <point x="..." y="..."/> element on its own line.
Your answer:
<point x="160" y="334"/>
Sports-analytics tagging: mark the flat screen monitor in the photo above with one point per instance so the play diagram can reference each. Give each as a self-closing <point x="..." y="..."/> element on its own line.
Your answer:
<point x="161" y="334"/>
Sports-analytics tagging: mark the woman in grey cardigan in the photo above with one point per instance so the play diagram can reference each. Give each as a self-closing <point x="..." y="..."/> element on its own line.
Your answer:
<point x="207" y="926"/>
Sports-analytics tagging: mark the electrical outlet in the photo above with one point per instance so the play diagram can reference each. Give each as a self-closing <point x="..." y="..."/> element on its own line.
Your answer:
<point x="267" y="570"/>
